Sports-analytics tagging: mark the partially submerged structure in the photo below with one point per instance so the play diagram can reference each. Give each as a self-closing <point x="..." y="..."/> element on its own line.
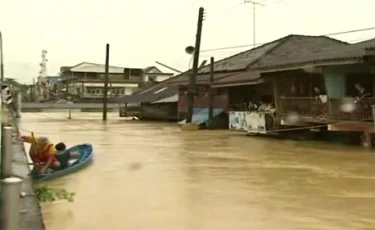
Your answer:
<point x="305" y="77"/>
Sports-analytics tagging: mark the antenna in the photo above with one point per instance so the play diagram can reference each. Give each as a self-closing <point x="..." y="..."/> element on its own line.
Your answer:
<point x="254" y="8"/>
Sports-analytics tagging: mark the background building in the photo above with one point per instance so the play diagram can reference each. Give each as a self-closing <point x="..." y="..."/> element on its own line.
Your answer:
<point x="85" y="81"/>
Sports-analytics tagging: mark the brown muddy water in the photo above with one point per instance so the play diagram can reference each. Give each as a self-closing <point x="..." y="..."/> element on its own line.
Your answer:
<point x="150" y="176"/>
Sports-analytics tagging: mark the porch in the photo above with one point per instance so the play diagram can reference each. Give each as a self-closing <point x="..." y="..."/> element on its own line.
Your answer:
<point x="345" y="114"/>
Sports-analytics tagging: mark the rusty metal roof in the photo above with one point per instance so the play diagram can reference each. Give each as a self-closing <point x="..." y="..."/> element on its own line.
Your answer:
<point x="201" y="78"/>
<point x="251" y="77"/>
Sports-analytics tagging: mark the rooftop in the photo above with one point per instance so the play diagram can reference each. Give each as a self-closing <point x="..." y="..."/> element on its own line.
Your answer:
<point x="89" y="67"/>
<point x="248" y="65"/>
<point x="95" y="68"/>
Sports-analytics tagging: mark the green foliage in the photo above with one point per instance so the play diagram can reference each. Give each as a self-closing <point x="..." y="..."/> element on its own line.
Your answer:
<point x="46" y="194"/>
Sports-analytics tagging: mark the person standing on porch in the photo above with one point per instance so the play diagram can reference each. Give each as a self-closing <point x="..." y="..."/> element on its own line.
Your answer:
<point x="363" y="106"/>
<point x="320" y="95"/>
<point x="361" y="92"/>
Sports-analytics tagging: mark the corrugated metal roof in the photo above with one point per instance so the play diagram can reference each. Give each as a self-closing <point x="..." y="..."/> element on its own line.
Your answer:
<point x="95" y="68"/>
<point x="201" y="78"/>
<point x="173" y="98"/>
<point x="150" y="96"/>
<point x="240" y="77"/>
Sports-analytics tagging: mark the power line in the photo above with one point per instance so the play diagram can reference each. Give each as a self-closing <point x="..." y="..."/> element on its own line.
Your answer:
<point x="330" y="51"/>
<point x="334" y="49"/>
<point x="330" y="34"/>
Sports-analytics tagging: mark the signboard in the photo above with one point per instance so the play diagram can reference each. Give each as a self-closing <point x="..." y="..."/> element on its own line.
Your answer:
<point x="256" y="122"/>
<point x="237" y="121"/>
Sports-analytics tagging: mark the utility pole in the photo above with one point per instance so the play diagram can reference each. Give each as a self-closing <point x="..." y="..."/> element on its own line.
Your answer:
<point x="192" y="84"/>
<point x="105" y="91"/>
<point x="254" y="17"/>
<point x="1" y="59"/>
<point x="1" y="69"/>
<point x="211" y="93"/>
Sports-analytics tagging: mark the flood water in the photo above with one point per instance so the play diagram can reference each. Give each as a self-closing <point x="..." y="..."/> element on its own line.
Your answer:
<point x="151" y="176"/>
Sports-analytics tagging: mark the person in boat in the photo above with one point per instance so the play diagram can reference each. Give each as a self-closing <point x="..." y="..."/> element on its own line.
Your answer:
<point x="42" y="153"/>
<point x="64" y="156"/>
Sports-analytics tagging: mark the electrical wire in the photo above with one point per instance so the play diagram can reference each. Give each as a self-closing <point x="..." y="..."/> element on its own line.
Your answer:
<point x="314" y="56"/>
<point x="259" y="44"/>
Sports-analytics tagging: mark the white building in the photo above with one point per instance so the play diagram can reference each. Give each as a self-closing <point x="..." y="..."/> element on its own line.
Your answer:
<point x="154" y="74"/>
<point x="86" y="80"/>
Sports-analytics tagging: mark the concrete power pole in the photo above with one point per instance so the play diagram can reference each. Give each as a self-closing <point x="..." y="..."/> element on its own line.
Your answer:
<point x="105" y="91"/>
<point x="192" y="84"/>
<point x="254" y="17"/>
<point x="1" y="59"/>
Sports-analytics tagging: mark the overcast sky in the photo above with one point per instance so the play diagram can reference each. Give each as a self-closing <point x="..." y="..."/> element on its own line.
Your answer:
<point x="144" y="31"/>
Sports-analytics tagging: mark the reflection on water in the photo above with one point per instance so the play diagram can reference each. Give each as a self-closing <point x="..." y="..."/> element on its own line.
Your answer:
<point x="154" y="176"/>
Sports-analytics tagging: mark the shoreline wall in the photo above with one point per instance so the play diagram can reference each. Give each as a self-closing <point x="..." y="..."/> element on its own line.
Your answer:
<point x="30" y="211"/>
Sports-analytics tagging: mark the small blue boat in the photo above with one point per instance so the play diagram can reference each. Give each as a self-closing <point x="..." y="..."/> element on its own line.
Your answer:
<point x="85" y="158"/>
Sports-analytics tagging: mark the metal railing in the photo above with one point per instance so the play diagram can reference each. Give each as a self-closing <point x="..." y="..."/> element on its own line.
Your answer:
<point x="338" y="109"/>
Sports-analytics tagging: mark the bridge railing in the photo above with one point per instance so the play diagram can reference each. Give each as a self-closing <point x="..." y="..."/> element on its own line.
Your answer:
<point x="34" y="105"/>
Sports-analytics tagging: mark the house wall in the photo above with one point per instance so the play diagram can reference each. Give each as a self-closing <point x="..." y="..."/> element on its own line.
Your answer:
<point x="202" y="99"/>
<point x="335" y="78"/>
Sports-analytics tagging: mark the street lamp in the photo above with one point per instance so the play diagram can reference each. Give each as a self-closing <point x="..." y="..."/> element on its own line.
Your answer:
<point x="190" y="50"/>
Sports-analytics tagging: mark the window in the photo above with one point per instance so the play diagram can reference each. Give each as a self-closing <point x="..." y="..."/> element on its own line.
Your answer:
<point x="126" y="74"/>
<point x="152" y="78"/>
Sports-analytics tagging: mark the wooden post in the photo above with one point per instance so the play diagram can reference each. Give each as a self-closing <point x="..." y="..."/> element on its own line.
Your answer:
<point x="366" y="139"/>
<point x="211" y="94"/>
<point x="105" y="91"/>
<point x="193" y="75"/>
<point x="126" y="109"/>
<point x="18" y="103"/>
<point x="277" y="104"/>
<point x="33" y="91"/>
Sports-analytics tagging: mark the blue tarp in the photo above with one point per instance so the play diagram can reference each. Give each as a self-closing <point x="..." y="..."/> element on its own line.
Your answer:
<point x="201" y="116"/>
